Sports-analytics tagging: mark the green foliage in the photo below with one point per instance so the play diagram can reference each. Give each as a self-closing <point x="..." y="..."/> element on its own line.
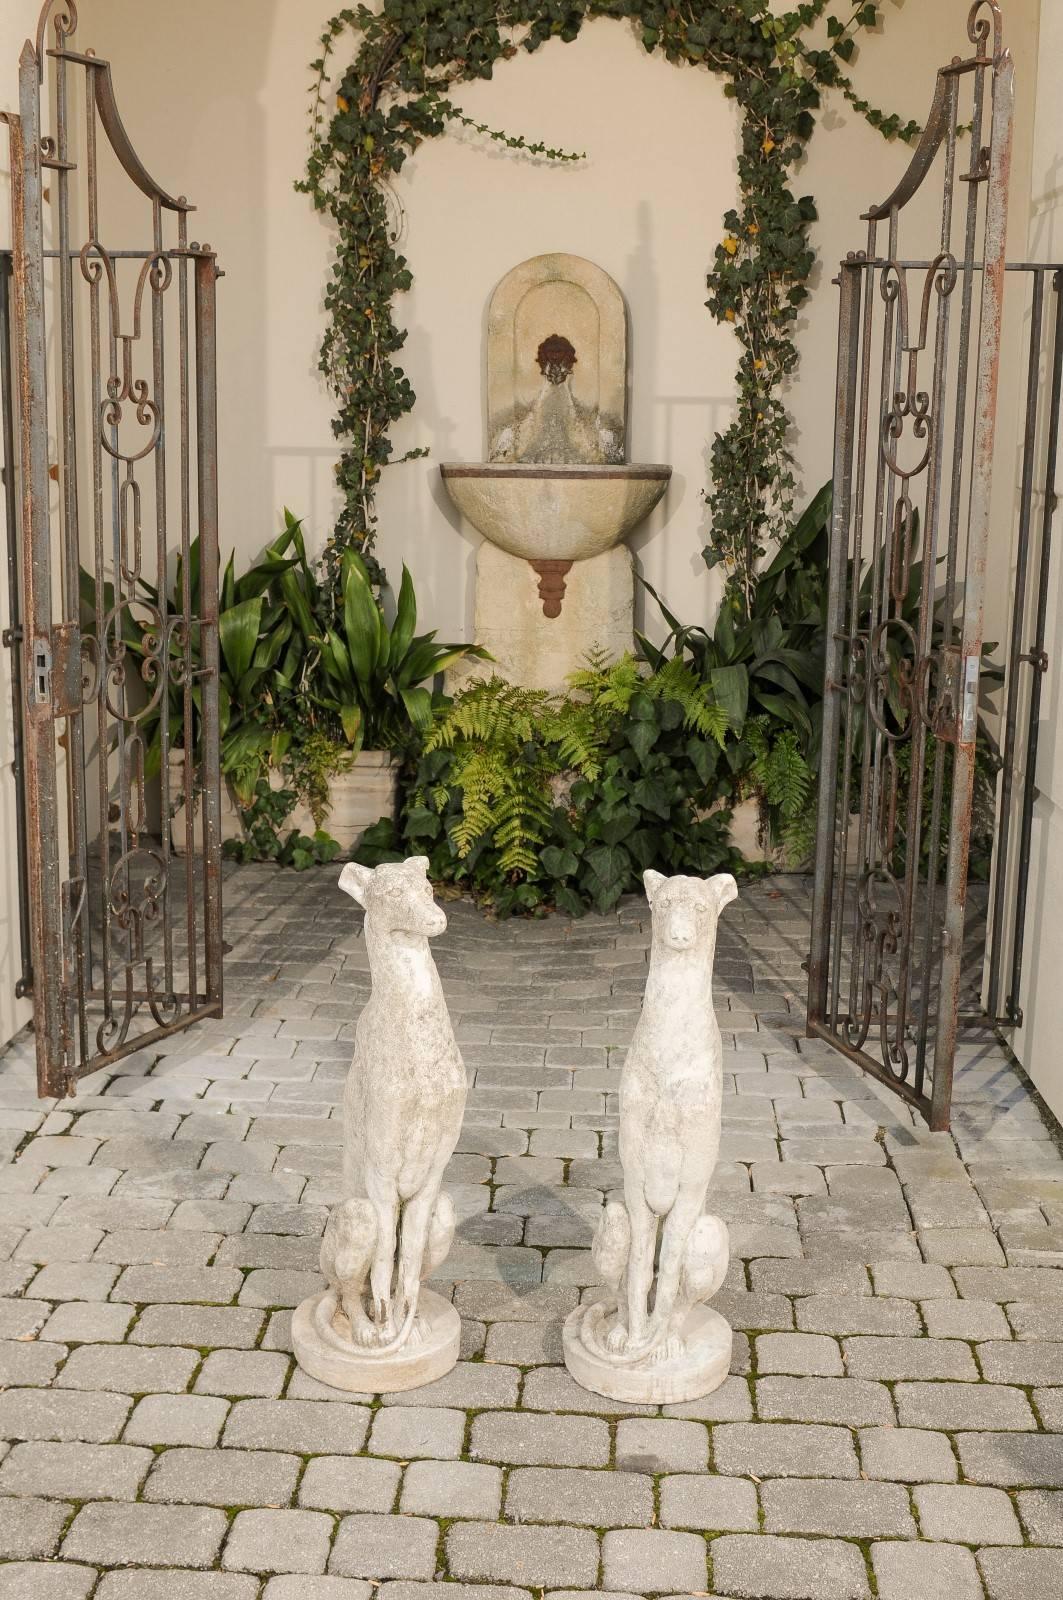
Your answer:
<point x="344" y="660"/>
<point x="263" y="819"/>
<point x="533" y="801"/>
<point x="393" y="95"/>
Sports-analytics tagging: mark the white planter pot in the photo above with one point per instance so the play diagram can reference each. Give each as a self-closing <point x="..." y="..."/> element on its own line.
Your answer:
<point x="357" y="799"/>
<point x="231" y="827"/>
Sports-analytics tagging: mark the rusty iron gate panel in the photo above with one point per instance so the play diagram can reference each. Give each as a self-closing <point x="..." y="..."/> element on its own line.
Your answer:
<point x="918" y="365"/>
<point x="116" y="613"/>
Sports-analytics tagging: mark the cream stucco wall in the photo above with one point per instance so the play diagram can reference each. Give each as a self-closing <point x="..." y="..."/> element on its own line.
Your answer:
<point x="19" y="18"/>
<point x="220" y="112"/>
<point x="1038" y="1042"/>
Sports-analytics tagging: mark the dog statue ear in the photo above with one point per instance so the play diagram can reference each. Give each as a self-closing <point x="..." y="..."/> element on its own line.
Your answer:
<point x="652" y="882"/>
<point x="355" y="881"/>
<point x="725" y="889"/>
<point x="416" y="866"/>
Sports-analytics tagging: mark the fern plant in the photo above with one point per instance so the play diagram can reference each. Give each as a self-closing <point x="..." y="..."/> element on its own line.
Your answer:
<point x="535" y="800"/>
<point x="784" y="783"/>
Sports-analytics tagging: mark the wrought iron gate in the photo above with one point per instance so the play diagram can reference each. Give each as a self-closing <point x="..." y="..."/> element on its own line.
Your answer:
<point x="918" y="363"/>
<point x="118" y="641"/>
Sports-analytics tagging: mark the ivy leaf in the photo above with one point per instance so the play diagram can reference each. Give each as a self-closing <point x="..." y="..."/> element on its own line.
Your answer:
<point x="558" y="861"/>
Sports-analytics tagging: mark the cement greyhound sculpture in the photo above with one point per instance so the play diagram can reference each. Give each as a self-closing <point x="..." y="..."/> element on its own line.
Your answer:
<point x="652" y="1338"/>
<point x="376" y="1328"/>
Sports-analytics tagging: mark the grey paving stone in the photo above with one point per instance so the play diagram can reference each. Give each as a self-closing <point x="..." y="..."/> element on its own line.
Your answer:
<point x="800" y="1354"/>
<point x="538" y="1557"/>
<point x="708" y="1503"/>
<point x="855" y="1510"/>
<point x="88" y="1322"/>
<point x="409" y="1431"/>
<point x="962" y="1405"/>
<point x="451" y="1489"/>
<point x="912" y="1280"/>
<point x="872" y="1357"/>
<point x="961" y="1247"/>
<point x="223" y="1477"/>
<point x="45" y="1580"/>
<point x="176" y="1419"/>
<point x="1010" y="1283"/>
<point x="368" y="1546"/>
<point x="52" y="1414"/>
<point x="311" y="1427"/>
<point x="520" y="1439"/>
<point x="840" y="1314"/>
<point x="552" y="1389"/>
<point x="965" y="1514"/>
<point x="74" y="1471"/>
<point x="29" y="1363"/>
<point x="931" y="1571"/>
<point x="907" y="1455"/>
<point x="1012" y="1460"/>
<point x="790" y="1450"/>
<point x="729" y="1403"/>
<point x="305" y="1588"/>
<point x="177" y="1585"/>
<point x="237" y="1327"/>
<point x="526" y="1344"/>
<point x="30" y="1528"/>
<point x="470" y="1385"/>
<point x="176" y="1285"/>
<point x="762" y="1565"/>
<point x="490" y="1301"/>
<point x="23" y="1319"/>
<point x="242" y="1373"/>
<point x="644" y="1444"/>
<point x="278" y="1541"/>
<point x="1041" y="1511"/>
<point x="78" y="1281"/>
<point x="965" y="1319"/>
<point x="129" y="1369"/>
<point x="1022" y="1574"/>
<point x="622" y="1499"/>
<point x="349" y="1483"/>
<point x="1025" y="1362"/>
<point x="145" y="1535"/>
<point x="647" y="1558"/>
<point x="855" y="1401"/>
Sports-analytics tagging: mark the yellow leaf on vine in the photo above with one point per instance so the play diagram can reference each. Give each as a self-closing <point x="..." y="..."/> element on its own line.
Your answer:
<point x="343" y="104"/>
<point x="730" y="244"/>
<point x="769" y="145"/>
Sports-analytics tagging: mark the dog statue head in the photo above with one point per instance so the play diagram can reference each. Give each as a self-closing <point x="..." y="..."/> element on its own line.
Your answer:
<point x="686" y="910"/>
<point x="397" y="897"/>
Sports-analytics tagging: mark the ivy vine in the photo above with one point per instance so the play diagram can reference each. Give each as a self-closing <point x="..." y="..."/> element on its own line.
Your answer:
<point x="394" y="93"/>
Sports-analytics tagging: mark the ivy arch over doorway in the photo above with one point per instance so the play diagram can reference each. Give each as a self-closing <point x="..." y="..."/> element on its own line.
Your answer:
<point x="395" y="92"/>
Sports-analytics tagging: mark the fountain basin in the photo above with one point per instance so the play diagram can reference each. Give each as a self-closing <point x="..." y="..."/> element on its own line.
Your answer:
<point x="554" y="513"/>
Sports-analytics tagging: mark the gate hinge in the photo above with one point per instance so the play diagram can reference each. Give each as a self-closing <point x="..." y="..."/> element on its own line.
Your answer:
<point x="55" y="670"/>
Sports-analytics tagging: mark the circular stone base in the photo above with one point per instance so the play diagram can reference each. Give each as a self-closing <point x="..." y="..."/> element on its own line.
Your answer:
<point x="698" y="1371"/>
<point x="326" y="1352"/>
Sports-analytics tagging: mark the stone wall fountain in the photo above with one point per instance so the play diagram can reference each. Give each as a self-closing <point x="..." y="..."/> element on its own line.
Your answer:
<point x="557" y="498"/>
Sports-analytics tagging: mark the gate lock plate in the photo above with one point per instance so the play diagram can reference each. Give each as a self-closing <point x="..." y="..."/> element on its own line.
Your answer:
<point x="55" y="670"/>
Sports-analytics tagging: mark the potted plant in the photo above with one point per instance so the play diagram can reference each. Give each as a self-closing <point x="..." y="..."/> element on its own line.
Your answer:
<point x="351" y="690"/>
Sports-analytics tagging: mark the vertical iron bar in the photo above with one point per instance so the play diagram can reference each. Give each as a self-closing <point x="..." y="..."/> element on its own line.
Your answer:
<point x="848" y="350"/>
<point x="207" y="492"/>
<point x="1037" y="654"/>
<point x="13" y="637"/>
<point x="41" y="792"/>
<point x="77" y="958"/>
<point x="1015" y="651"/>
<point x="986" y="381"/>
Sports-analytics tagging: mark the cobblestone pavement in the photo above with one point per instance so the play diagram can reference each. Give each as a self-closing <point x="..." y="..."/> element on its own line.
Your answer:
<point x="893" y="1425"/>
